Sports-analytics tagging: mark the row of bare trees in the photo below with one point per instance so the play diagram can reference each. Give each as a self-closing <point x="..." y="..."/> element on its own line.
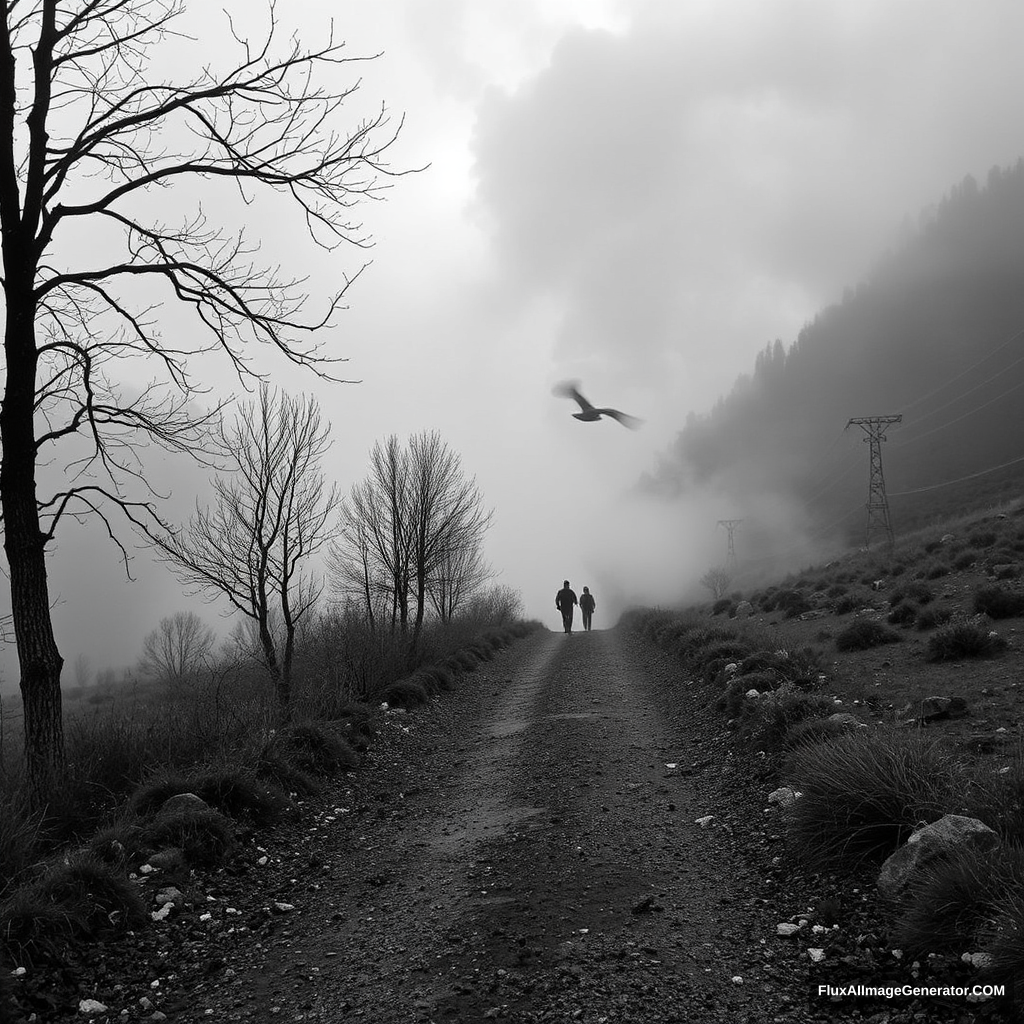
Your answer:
<point x="412" y="536"/>
<point x="104" y="166"/>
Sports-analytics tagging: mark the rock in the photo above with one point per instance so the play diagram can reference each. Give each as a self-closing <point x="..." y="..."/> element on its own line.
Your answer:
<point x="169" y="895"/>
<point x="814" y="613"/>
<point x="949" y="833"/>
<point x="91" y="1007"/>
<point x="787" y="929"/>
<point x="980" y="960"/>
<point x="731" y="668"/>
<point x="284" y="908"/>
<point x="752" y="694"/>
<point x="816" y="955"/>
<point x="934" y="709"/>
<point x="783" y="796"/>
<point x="846" y="718"/>
<point x="163" y="913"/>
<point x="947" y="538"/>
<point x="187" y="802"/>
<point x="706" y="820"/>
<point x="744" y="610"/>
<point x="167" y="860"/>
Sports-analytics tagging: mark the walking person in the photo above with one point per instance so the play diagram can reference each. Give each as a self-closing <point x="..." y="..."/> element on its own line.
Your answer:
<point x="565" y="599"/>
<point x="587" y="606"/>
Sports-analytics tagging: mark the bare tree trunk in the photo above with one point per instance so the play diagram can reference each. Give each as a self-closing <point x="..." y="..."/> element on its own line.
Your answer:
<point x="24" y="543"/>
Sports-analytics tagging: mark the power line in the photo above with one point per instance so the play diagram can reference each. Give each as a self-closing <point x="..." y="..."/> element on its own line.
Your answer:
<point x="962" y="416"/>
<point x="959" y="480"/>
<point x="963" y="373"/>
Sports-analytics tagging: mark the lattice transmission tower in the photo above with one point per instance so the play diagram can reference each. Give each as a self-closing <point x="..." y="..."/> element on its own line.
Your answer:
<point x="878" y="503"/>
<point x="730" y="525"/>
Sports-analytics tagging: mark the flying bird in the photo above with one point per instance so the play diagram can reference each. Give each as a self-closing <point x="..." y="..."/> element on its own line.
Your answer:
<point x="568" y="389"/>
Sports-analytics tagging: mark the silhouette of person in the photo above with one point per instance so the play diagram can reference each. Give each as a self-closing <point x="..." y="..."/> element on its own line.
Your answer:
<point x="587" y="606"/>
<point x="564" y="601"/>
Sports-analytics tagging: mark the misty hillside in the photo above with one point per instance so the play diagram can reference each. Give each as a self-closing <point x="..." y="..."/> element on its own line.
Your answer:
<point x="935" y="333"/>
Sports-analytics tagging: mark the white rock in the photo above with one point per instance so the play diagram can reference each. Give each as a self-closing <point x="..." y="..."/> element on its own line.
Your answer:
<point x="737" y="979"/>
<point x="91" y="1007"/>
<point x="162" y="913"/>
<point x="816" y="955"/>
<point x="706" y="820"/>
<point x="169" y="895"/>
<point x="783" y="796"/>
<point x="787" y="929"/>
<point x="753" y="694"/>
<point x="19" y="972"/>
<point x="731" y="668"/>
<point x="284" y="908"/>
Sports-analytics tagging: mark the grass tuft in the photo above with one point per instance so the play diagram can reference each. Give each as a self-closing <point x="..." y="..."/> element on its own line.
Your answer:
<point x="865" y="792"/>
<point x="963" y="637"/>
<point x="865" y="633"/>
<point x="204" y="837"/>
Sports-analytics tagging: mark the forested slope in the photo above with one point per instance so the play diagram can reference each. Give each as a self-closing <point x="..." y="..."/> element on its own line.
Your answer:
<point x="935" y="333"/>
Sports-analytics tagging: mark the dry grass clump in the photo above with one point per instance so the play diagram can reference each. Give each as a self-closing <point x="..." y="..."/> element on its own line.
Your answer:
<point x="765" y="721"/>
<point x="865" y="633"/>
<point x="997" y="799"/>
<point x="815" y="730"/>
<point x="316" y="748"/>
<point x="405" y="693"/>
<point x="865" y="792"/>
<point x="948" y="907"/>
<point x="203" y="836"/>
<point x="79" y="898"/>
<point x="1007" y="948"/>
<point x="998" y="602"/>
<point x="932" y="618"/>
<point x="963" y="637"/>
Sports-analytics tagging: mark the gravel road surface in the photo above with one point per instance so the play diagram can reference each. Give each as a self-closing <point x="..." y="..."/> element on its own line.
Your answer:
<point x="527" y="850"/>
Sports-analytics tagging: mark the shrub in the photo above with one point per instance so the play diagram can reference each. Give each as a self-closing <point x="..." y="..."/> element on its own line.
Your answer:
<point x="150" y="796"/>
<point x="764" y="721"/>
<point x="442" y="677"/>
<point x="405" y="693"/>
<point x="998" y="602"/>
<point x="277" y="769"/>
<point x="863" y="634"/>
<point x="863" y="793"/>
<point x="240" y="794"/>
<point x="105" y="898"/>
<point x="316" y="748"/>
<point x="902" y="615"/>
<point x="965" y="560"/>
<point x="935" y="571"/>
<point x="120" y="845"/>
<point x="982" y="539"/>
<point x="851" y="603"/>
<point x="953" y="899"/>
<point x="721" y="605"/>
<point x="916" y="591"/>
<point x="929" y="618"/>
<point x="963" y="637"/>
<point x="204" y="837"/>
<point x="731" y="700"/>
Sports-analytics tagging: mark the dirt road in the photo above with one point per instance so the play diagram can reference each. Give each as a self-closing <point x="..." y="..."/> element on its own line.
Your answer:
<point x="528" y="851"/>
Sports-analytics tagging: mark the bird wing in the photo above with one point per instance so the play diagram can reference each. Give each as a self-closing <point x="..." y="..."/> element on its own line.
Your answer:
<point x="624" y="418"/>
<point x="568" y="389"/>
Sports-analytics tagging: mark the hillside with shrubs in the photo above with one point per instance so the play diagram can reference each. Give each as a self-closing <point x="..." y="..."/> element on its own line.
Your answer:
<point x="871" y="699"/>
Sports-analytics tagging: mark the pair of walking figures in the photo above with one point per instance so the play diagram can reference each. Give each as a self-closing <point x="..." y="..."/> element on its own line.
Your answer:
<point x="566" y="601"/>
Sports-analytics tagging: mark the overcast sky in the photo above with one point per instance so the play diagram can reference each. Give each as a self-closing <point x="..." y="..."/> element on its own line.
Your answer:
<point x="636" y="194"/>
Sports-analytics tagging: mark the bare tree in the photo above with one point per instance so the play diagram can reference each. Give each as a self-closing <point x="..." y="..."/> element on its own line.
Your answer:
<point x="448" y="523"/>
<point x="373" y="562"/>
<point x="717" y="580"/>
<point x="268" y="519"/>
<point x="177" y="649"/>
<point x="88" y="141"/>
<point x="412" y="532"/>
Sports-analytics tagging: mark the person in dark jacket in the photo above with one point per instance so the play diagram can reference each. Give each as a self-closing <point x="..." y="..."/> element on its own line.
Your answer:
<point x="587" y="606"/>
<point x="565" y="599"/>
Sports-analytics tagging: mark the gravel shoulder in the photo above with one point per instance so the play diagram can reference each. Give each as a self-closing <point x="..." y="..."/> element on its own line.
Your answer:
<point x="525" y="849"/>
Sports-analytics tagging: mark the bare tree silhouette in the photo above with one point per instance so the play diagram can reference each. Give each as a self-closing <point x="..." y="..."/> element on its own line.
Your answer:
<point x="269" y="517"/>
<point x="92" y="146"/>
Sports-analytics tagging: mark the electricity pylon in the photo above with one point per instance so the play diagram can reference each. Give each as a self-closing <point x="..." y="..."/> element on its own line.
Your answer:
<point x="730" y="525"/>
<point x="878" y="503"/>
